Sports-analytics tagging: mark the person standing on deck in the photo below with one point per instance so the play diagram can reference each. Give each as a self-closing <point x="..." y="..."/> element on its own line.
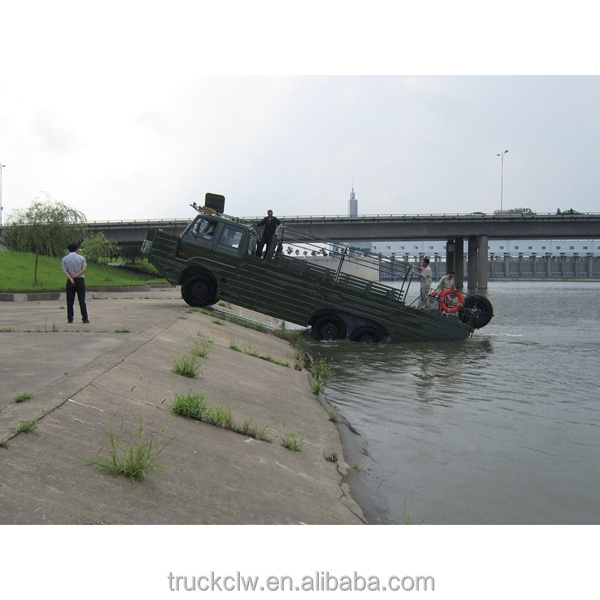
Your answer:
<point x="446" y="283"/>
<point x="425" y="276"/>
<point x="270" y="224"/>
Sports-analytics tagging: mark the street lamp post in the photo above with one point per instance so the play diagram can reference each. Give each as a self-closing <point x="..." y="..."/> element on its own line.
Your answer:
<point x="501" y="155"/>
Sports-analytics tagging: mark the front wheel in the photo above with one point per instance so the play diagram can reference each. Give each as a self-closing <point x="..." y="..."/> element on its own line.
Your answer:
<point x="199" y="290"/>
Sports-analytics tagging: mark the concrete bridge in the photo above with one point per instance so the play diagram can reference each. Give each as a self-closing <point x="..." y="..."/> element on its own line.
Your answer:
<point x="476" y="229"/>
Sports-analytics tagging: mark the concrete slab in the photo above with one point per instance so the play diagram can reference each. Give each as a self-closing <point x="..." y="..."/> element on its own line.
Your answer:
<point x="117" y="371"/>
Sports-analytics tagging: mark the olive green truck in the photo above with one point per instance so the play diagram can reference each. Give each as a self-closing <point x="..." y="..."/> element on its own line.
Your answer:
<point x="330" y="287"/>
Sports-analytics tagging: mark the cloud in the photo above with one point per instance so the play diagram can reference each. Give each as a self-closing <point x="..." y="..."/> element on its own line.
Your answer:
<point x="135" y="113"/>
<point x="53" y="133"/>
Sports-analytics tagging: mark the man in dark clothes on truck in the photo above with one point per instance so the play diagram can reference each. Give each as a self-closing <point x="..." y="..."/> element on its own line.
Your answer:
<point x="270" y="224"/>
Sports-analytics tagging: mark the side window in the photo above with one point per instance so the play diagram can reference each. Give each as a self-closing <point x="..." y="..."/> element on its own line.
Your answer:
<point x="230" y="238"/>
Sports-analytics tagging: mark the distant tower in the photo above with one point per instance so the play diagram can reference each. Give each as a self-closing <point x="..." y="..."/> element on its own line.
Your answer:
<point x="353" y="205"/>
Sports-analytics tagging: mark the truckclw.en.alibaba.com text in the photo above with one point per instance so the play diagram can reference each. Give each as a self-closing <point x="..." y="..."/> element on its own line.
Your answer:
<point x="319" y="581"/>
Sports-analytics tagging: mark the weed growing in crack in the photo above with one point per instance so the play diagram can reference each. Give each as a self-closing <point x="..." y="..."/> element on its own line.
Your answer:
<point x="333" y="414"/>
<point x="202" y="346"/>
<point x="195" y="407"/>
<point x="133" y="454"/>
<point x="26" y="426"/>
<point x="186" y="366"/>
<point x="292" y="336"/>
<point x="321" y="373"/>
<point x="281" y="363"/>
<point x="21" y="398"/>
<point x="292" y="441"/>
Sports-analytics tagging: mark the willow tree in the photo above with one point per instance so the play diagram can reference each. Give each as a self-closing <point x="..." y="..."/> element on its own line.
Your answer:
<point x="45" y="228"/>
<point x="100" y="248"/>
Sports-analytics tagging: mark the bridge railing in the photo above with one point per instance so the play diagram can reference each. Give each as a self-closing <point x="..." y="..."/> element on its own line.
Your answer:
<point x="374" y="217"/>
<point x="424" y="216"/>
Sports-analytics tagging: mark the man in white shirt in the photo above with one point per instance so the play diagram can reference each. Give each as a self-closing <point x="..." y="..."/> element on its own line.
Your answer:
<point x="74" y="266"/>
<point x="425" y="276"/>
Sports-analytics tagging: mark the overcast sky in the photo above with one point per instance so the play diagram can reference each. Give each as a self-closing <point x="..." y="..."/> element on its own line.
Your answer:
<point x="133" y="110"/>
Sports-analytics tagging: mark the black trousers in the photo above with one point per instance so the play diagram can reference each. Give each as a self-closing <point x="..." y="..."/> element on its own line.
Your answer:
<point x="76" y="289"/>
<point x="264" y="241"/>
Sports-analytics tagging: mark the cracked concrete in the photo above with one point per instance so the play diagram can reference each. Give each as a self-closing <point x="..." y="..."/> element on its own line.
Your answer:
<point x="118" y="371"/>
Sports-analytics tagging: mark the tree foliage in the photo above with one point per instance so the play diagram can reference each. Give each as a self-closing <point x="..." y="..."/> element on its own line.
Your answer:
<point x="99" y="248"/>
<point x="131" y="253"/>
<point x="45" y="228"/>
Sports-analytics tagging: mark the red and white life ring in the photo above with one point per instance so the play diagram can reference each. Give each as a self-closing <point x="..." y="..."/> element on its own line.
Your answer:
<point x="451" y="309"/>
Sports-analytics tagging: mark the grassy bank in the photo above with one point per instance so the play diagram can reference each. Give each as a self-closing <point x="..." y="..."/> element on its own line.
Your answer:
<point x="17" y="274"/>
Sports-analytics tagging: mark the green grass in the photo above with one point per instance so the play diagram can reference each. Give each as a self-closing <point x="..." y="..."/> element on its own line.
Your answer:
<point x="253" y="352"/>
<point x="22" y="397"/>
<point x="292" y="441"/>
<point x="248" y="324"/>
<point x="292" y="336"/>
<point x="276" y="361"/>
<point x="321" y="373"/>
<point x="202" y="346"/>
<point x="17" y="270"/>
<point x="26" y="427"/>
<point x="186" y="366"/>
<point x="333" y="414"/>
<point x="246" y="350"/>
<point x="195" y="407"/>
<point x="189" y="406"/>
<point x="131" y="454"/>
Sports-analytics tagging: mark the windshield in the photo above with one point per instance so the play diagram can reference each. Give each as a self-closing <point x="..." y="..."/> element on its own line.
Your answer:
<point x="201" y="228"/>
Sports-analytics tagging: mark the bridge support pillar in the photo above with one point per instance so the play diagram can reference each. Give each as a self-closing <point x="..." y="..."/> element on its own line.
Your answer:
<point x="455" y="260"/>
<point x="472" y="262"/>
<point x="450" y="255"/>
<point x="477" y="263"/>
<point x="482" y="264"/>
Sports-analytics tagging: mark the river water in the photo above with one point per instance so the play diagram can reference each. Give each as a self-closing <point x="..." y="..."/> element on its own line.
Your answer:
<point x="501" y="428"/>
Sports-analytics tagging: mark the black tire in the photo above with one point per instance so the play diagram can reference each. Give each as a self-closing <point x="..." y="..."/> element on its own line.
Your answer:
<point x="367" y="335"/>
<point x="329" y="327"/>
<point x="199" y="290"/>
<point x="477" y="311"/>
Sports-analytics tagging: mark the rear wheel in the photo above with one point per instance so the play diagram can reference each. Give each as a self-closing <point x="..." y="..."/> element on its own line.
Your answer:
<point x="329" y="327"/>
<point x="199" y="290"/>
<point x="367" y="335"/>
